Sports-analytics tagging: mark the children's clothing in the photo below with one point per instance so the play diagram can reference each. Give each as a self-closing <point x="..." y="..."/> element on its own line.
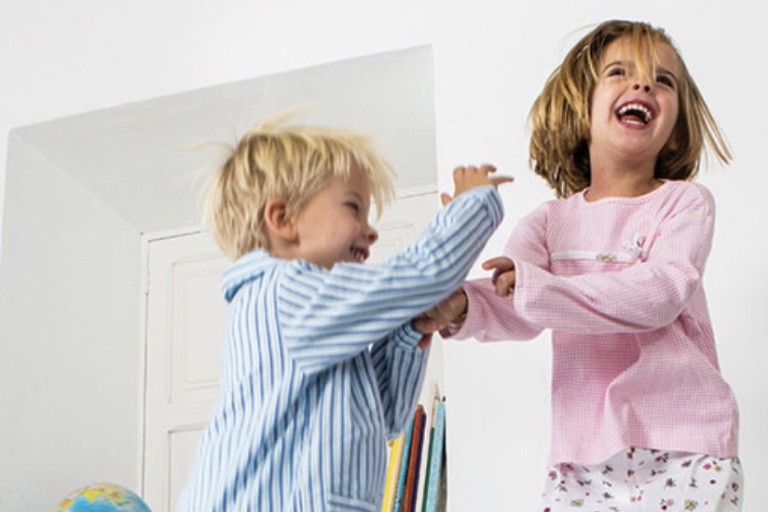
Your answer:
<point x="619" y="283"/>
<point x="640" y="480"/>
<point x="321" y="367"/>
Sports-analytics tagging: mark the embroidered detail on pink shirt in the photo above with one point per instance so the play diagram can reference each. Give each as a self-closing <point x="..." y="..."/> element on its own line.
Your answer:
<point x="634" y="246"/>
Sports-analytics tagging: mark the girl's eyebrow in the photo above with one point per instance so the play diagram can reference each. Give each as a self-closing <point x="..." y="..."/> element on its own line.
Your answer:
<point x="660" y="69"/>
<point x="614" y="63"/>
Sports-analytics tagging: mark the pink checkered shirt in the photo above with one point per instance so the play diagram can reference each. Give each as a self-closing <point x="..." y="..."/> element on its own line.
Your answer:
<point x="619" y="283"/>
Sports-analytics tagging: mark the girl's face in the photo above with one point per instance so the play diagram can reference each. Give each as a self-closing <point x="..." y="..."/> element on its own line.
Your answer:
<point x="333" y="226"/>
<point x="633" y="118"/>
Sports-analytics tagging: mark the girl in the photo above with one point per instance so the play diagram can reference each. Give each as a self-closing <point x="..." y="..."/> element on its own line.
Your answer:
<point x="642" y="418"/>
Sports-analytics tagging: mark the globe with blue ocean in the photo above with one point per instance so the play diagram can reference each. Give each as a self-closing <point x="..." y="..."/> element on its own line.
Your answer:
<point x="103" y="497"/>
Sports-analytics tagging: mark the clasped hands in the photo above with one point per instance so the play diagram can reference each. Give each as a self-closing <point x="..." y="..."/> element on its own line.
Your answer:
<point x="452" y="309"/>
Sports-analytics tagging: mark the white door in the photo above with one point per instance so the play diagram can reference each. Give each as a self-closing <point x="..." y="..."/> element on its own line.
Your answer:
<point x="185" y="323"/>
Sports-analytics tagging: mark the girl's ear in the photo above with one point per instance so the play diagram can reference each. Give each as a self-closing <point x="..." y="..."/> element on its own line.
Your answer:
<point x="279" y="224"/>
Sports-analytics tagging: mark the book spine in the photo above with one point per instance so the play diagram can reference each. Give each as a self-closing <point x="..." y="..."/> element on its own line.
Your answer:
<point x="417" y="445"/>
<point x="403" y="473"/>
<point x="427" y="465"/>
<point x="393" y="473"/>
<point x="435" y="461"/>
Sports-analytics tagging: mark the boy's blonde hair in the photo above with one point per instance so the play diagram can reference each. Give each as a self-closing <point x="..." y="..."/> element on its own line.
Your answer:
<point x="560" y="116"/>
<point x="292" y="163"/>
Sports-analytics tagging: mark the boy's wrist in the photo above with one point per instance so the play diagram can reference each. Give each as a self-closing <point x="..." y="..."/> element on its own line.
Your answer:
<point x="409" y="334"/>
<point x="462" y="316"/>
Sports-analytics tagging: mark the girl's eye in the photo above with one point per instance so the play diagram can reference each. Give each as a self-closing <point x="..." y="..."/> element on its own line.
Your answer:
<point x="666" y="80"/>
<point x="354" y="206"/>
<point x="616" y="71"/>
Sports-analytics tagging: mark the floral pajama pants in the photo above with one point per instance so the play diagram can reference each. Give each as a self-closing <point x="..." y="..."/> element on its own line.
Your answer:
<point x="640" y="480"/>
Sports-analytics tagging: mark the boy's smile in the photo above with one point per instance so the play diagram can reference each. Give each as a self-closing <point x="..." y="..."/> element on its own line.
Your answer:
<point x="333" y="226"/>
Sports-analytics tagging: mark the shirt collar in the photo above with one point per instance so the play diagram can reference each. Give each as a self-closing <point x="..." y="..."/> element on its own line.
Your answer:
<point x="246" y="269"/>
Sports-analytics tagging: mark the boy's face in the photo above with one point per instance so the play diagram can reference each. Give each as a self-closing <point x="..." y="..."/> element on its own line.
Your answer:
<point x="630" y="115"/>
<point x="333" y="226"/>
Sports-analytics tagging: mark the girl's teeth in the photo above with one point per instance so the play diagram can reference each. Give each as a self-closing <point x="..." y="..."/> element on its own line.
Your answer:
<point x="638" y="110"/>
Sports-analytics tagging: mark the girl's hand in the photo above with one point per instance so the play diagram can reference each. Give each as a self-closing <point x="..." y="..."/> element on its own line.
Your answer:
<point x="503" y="277"/>
<point x="467" y="178"/>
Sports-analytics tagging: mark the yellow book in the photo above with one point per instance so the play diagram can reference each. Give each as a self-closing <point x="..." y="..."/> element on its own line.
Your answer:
<point x="393" y="473"/>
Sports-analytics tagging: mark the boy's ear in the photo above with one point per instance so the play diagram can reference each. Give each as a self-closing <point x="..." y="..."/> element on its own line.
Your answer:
<point x="279" y="224"/>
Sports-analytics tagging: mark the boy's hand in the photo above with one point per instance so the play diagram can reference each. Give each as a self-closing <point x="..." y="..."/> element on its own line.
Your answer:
<point x="467" y="178"/>
<point x="503" y="277"/>
<point x="425" y="340"/>
<point x="451" y="310"/>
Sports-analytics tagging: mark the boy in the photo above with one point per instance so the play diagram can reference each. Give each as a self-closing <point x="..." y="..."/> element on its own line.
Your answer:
<point x="321" y="362"/>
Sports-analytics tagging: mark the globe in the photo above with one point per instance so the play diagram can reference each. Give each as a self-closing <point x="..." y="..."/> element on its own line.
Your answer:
<point x="103" y="497"/>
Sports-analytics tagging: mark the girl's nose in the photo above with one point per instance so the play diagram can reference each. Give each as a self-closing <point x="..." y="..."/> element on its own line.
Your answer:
<point x="646" y="87"/>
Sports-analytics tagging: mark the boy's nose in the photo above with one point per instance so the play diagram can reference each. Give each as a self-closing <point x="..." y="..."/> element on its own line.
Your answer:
<point x="371" y="235"/>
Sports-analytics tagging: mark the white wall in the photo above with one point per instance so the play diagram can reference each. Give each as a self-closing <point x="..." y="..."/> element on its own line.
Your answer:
<point x="69" y="321"/>
<point x="491" y="59"/>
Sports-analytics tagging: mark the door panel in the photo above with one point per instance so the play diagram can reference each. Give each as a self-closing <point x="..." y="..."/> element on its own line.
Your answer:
<point x="185" y="314"/>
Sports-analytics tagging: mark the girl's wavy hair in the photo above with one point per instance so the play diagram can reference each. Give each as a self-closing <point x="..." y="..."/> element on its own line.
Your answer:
<point x="560" y="116"/>
<point x="289" y="162"/>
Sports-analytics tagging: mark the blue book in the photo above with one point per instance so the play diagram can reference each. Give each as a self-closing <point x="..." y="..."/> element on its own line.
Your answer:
<point x="435" y="461"/>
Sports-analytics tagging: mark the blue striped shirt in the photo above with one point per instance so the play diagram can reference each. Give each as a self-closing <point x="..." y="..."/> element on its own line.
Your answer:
<point x="321" y="367"/>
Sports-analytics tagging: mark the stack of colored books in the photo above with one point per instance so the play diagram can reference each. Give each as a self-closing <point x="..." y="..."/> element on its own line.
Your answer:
<point x="405" y="490"/>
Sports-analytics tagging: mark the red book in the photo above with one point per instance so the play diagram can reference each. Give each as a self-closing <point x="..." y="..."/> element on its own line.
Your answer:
<point x="414" y="460"/>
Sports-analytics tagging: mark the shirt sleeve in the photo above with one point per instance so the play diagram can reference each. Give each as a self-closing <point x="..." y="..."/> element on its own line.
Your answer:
<point x="645" y="296"/>
<point x="494" y="318"/>
<point x="399" y="365"/>
<point x="331" y="316"/>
